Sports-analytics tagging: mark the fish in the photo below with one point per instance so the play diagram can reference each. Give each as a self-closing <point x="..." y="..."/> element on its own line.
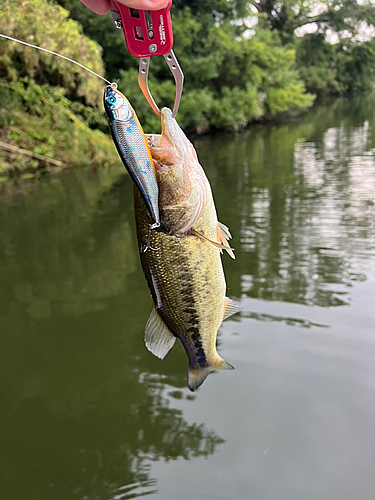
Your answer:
<point x="185" y="274"/>
<point x="132" y="146"/>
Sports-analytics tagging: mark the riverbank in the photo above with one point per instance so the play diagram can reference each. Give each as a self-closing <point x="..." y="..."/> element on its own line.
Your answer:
<point x="32" y="145"/>
<point x="51" y="114"/>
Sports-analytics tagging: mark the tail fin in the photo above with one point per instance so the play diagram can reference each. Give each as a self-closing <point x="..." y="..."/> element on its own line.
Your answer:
<point x="198" y="374"/>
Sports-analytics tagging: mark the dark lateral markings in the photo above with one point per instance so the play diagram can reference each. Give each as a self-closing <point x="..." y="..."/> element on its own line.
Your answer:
<point x="187" y="291"/>
<point x="199" y="353"/>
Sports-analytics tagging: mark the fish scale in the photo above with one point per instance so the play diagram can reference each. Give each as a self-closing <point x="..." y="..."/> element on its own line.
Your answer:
<point x="183" y="267"/>
<point x="186" y="278"/>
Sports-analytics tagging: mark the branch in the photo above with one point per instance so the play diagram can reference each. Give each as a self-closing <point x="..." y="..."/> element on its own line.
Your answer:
<point x="318" y="19"/>
<point x="14" y="149"/>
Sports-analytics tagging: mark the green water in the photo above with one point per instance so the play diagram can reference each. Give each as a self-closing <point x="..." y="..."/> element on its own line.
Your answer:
<point x="88" y="413"/>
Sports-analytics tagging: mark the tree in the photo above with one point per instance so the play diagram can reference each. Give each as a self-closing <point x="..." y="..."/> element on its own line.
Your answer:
<point x="49" y="104"/>
<point x="338" y="15"/>
<point x="230" y="79"/>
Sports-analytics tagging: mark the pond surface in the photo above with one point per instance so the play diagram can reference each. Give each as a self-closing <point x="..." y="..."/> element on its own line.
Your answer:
<point x="88" y="413"/>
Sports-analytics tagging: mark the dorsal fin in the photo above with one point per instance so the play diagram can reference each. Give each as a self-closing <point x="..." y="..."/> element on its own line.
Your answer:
<point x="158" y="337"/>
<point x="230" y="308"/>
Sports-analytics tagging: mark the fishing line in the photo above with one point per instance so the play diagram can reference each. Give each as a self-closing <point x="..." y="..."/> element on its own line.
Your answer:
<point x="113" y="85"/>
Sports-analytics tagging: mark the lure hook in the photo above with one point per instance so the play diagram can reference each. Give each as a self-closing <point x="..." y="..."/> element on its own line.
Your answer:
<point x="148" y="246"/>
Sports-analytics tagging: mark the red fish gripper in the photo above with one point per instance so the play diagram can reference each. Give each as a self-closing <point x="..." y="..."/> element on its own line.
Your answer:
<point x="147" y="32"/>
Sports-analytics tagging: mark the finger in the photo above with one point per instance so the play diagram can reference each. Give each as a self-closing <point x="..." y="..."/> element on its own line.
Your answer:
<point x="145" y="4"/>
<point x="98" y="6"/>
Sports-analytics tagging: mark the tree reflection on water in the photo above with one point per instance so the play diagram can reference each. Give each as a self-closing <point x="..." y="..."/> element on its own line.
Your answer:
<point x="83" y="412"/>
<point x="299" y="200"/>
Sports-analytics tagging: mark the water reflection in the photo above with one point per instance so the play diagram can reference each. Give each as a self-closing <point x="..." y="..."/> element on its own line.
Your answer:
<point x="302" y="199"/>
<point x="85" y="407"/>
<point x="290" y="321"/>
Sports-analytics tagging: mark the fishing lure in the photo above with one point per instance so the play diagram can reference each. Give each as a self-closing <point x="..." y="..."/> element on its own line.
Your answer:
<point x="133" y="149"/>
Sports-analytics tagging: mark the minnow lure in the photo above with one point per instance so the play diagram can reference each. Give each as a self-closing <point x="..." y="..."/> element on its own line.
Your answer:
<point x="133" y="149"/>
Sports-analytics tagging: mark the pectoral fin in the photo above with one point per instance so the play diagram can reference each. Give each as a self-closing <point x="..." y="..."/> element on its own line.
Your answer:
<point x="215" y="243"/>
<point x="158" y="337"/>
<point x="223" y="235"/>
<point x="224" y="231"/>
<point x="230" y="308"/>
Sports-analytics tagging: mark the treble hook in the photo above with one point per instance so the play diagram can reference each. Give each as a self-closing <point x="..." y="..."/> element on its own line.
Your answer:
<point x="148" y="246"/>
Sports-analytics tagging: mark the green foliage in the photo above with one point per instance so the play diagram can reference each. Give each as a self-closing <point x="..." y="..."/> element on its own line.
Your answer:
<point x="326" y="68"/>
<point x="100" y="28"/>
<point x="335" y="69"/>
<point x="48" y="26"/>
<point x="236" y="107"/>
<point x="48" y="104"/>
<point x="227" y="76"/>
<point x="356" y="66"/>
<point x="214" y="9"/>
<point x="338" y="15"/>
<point x="43" y="121"/>
<point x="229" y="80"/>
<point x="232" y="77"/>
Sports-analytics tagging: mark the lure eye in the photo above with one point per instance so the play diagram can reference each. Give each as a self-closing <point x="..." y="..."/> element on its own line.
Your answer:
<point x="112" y="99"/>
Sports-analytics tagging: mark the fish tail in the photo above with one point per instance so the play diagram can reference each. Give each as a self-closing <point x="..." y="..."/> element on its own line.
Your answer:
<point x="198" y="374"/>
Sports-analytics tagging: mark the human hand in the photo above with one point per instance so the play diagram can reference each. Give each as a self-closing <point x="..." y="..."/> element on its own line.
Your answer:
<point x="104" y="6"/>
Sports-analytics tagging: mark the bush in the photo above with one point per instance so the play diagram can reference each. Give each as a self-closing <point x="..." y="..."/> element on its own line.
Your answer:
<point x="48" y="104"/>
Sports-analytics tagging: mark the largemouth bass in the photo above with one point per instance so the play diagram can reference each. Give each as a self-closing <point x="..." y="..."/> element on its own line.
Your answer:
<point x="185" y="273"/>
